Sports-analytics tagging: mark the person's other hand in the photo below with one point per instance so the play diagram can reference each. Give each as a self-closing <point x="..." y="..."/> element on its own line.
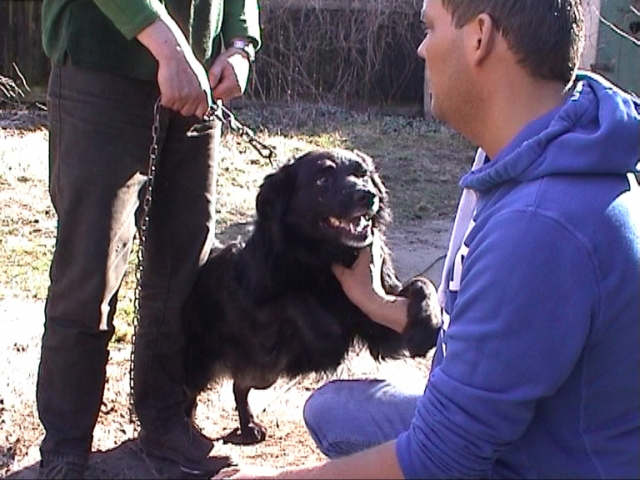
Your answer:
<point x="228" y="75"/>
<point x="246" y="472"/>
<point x="182" y="80"/>
<point x="363" y="281"/>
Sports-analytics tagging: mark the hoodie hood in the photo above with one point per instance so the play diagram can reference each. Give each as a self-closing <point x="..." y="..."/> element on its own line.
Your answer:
<point x="595" y="132"/>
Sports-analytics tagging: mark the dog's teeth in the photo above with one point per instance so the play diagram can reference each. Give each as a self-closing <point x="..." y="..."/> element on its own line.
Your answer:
<point x="355" y="225"/>
<point x="363" y="223"/>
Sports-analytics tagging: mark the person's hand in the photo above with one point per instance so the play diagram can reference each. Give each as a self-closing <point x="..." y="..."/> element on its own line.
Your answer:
<point x="246" y="472"/>
<point x="182" y="80"/>
<point x="362" y="283"/>
<point x="228" y="75"/>
<point x="184" y="86"/>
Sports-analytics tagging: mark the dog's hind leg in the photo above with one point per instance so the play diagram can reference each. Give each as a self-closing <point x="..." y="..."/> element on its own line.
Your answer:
<point x="250" y="431"/>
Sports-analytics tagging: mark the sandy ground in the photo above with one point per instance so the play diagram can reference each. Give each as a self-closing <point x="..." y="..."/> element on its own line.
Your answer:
<point x="414" y="249"/>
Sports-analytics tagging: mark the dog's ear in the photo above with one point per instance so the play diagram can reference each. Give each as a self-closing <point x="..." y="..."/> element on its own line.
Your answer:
<point x="275" y="194"/>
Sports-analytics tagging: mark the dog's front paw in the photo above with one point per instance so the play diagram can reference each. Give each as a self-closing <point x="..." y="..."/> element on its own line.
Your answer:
<point x="421" y="332"/>
<point x="250" y="435"/>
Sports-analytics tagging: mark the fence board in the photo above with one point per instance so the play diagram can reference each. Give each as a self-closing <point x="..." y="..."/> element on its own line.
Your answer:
<point x="20" y="41"/>
<point x="286" y="69"/>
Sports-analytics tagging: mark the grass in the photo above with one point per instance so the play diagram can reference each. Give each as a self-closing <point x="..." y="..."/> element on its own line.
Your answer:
<point x="420" y="162"/>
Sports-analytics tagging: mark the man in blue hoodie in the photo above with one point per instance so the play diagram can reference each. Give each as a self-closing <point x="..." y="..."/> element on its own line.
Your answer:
<point x="536" y="369"/>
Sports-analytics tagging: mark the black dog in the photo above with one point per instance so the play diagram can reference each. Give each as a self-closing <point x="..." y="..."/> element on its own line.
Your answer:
<point x="273" y="308"/>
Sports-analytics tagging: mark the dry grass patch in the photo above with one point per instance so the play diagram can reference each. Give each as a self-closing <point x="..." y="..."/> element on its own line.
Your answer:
<point x="420" y="161"/>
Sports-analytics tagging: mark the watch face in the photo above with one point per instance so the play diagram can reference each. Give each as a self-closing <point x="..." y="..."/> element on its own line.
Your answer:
<point x="246" y="47"/>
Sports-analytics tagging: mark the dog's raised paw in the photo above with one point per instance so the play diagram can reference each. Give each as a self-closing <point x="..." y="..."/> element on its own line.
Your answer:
<point x="421" y="332"/>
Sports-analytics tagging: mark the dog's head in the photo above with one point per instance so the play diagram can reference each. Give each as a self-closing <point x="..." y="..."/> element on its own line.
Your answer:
<point x="331" y="196"/>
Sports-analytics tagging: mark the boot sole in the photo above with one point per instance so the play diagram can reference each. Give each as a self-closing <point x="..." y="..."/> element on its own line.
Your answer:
<point x="213" y="463"/>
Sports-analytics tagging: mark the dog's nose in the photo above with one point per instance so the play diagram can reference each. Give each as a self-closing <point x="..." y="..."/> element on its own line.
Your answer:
<point x="365" y="198"/>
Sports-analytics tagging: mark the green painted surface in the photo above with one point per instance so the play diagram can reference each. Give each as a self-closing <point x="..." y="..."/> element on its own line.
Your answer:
<point x="618" y="57"/>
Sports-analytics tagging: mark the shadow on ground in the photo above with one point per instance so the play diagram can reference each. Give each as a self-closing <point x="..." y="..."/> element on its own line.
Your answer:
<point x="125" y="461"/>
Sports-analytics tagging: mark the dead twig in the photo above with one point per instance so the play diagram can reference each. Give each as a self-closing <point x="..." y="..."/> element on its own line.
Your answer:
<point x="336" y="52"/>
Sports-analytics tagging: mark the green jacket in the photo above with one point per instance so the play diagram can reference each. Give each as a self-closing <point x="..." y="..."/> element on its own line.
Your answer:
<point x="100" y="34"/>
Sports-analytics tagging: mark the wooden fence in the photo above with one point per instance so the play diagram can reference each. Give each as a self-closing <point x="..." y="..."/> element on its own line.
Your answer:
<point x="335" y="51"/>
<point x="21" y="42"/>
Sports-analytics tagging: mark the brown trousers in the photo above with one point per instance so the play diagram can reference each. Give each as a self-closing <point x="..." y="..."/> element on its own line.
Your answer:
<point x="100" y="136"/>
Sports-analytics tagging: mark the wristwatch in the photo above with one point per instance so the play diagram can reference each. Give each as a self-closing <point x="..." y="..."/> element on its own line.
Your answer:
<point x="246" y="47"/>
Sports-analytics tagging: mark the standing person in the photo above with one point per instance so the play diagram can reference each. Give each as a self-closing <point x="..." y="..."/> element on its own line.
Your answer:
<point x="111" y="61"/>
<point x="535" y="373"/>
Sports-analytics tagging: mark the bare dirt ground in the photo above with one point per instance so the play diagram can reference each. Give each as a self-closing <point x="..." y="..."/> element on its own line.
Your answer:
<point x="25" y="214"/>
<point x="279" y="408"/>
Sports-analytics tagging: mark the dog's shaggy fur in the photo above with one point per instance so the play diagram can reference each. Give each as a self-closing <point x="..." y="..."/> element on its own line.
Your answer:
<point x="272" y="307"/>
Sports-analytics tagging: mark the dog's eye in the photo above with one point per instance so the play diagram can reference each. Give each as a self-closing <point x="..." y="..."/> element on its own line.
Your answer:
<point x="359" y="170"/>
<point x="325" y="173"/>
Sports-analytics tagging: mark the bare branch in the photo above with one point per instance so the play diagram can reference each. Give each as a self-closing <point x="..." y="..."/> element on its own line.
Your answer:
<point x="336" y="51"/>
<point x="617" y="29"/>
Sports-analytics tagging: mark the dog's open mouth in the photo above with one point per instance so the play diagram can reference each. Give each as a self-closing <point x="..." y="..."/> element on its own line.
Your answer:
<point x="354" y="231"/>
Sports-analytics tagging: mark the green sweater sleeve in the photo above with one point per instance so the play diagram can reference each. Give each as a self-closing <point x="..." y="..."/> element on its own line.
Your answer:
<point x="131" y="16"/>
<point x="242" y="19"/>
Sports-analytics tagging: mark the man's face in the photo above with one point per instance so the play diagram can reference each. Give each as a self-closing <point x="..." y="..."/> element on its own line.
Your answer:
<point x="445" y="62"/>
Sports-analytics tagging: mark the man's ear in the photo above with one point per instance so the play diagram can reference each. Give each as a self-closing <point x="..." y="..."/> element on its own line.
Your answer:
<point x="480" y="37"/>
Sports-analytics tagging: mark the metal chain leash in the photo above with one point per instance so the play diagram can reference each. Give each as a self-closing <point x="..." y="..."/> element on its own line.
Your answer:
<point x="226" y="117"/>
<point x="142" y="239"/>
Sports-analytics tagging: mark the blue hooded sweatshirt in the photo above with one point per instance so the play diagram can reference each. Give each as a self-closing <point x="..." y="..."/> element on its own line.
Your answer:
<point x="537" y="368"/>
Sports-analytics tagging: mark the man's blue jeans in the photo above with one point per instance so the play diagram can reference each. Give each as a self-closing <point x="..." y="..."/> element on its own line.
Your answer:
<point x="347" y="416"/>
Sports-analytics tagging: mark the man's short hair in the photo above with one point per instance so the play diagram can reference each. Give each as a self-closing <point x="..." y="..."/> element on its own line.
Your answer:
<point x="547" y="36"/>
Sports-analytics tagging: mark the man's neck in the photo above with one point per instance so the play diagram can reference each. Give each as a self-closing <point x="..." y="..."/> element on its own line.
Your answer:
<point x="511" y="107"/>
